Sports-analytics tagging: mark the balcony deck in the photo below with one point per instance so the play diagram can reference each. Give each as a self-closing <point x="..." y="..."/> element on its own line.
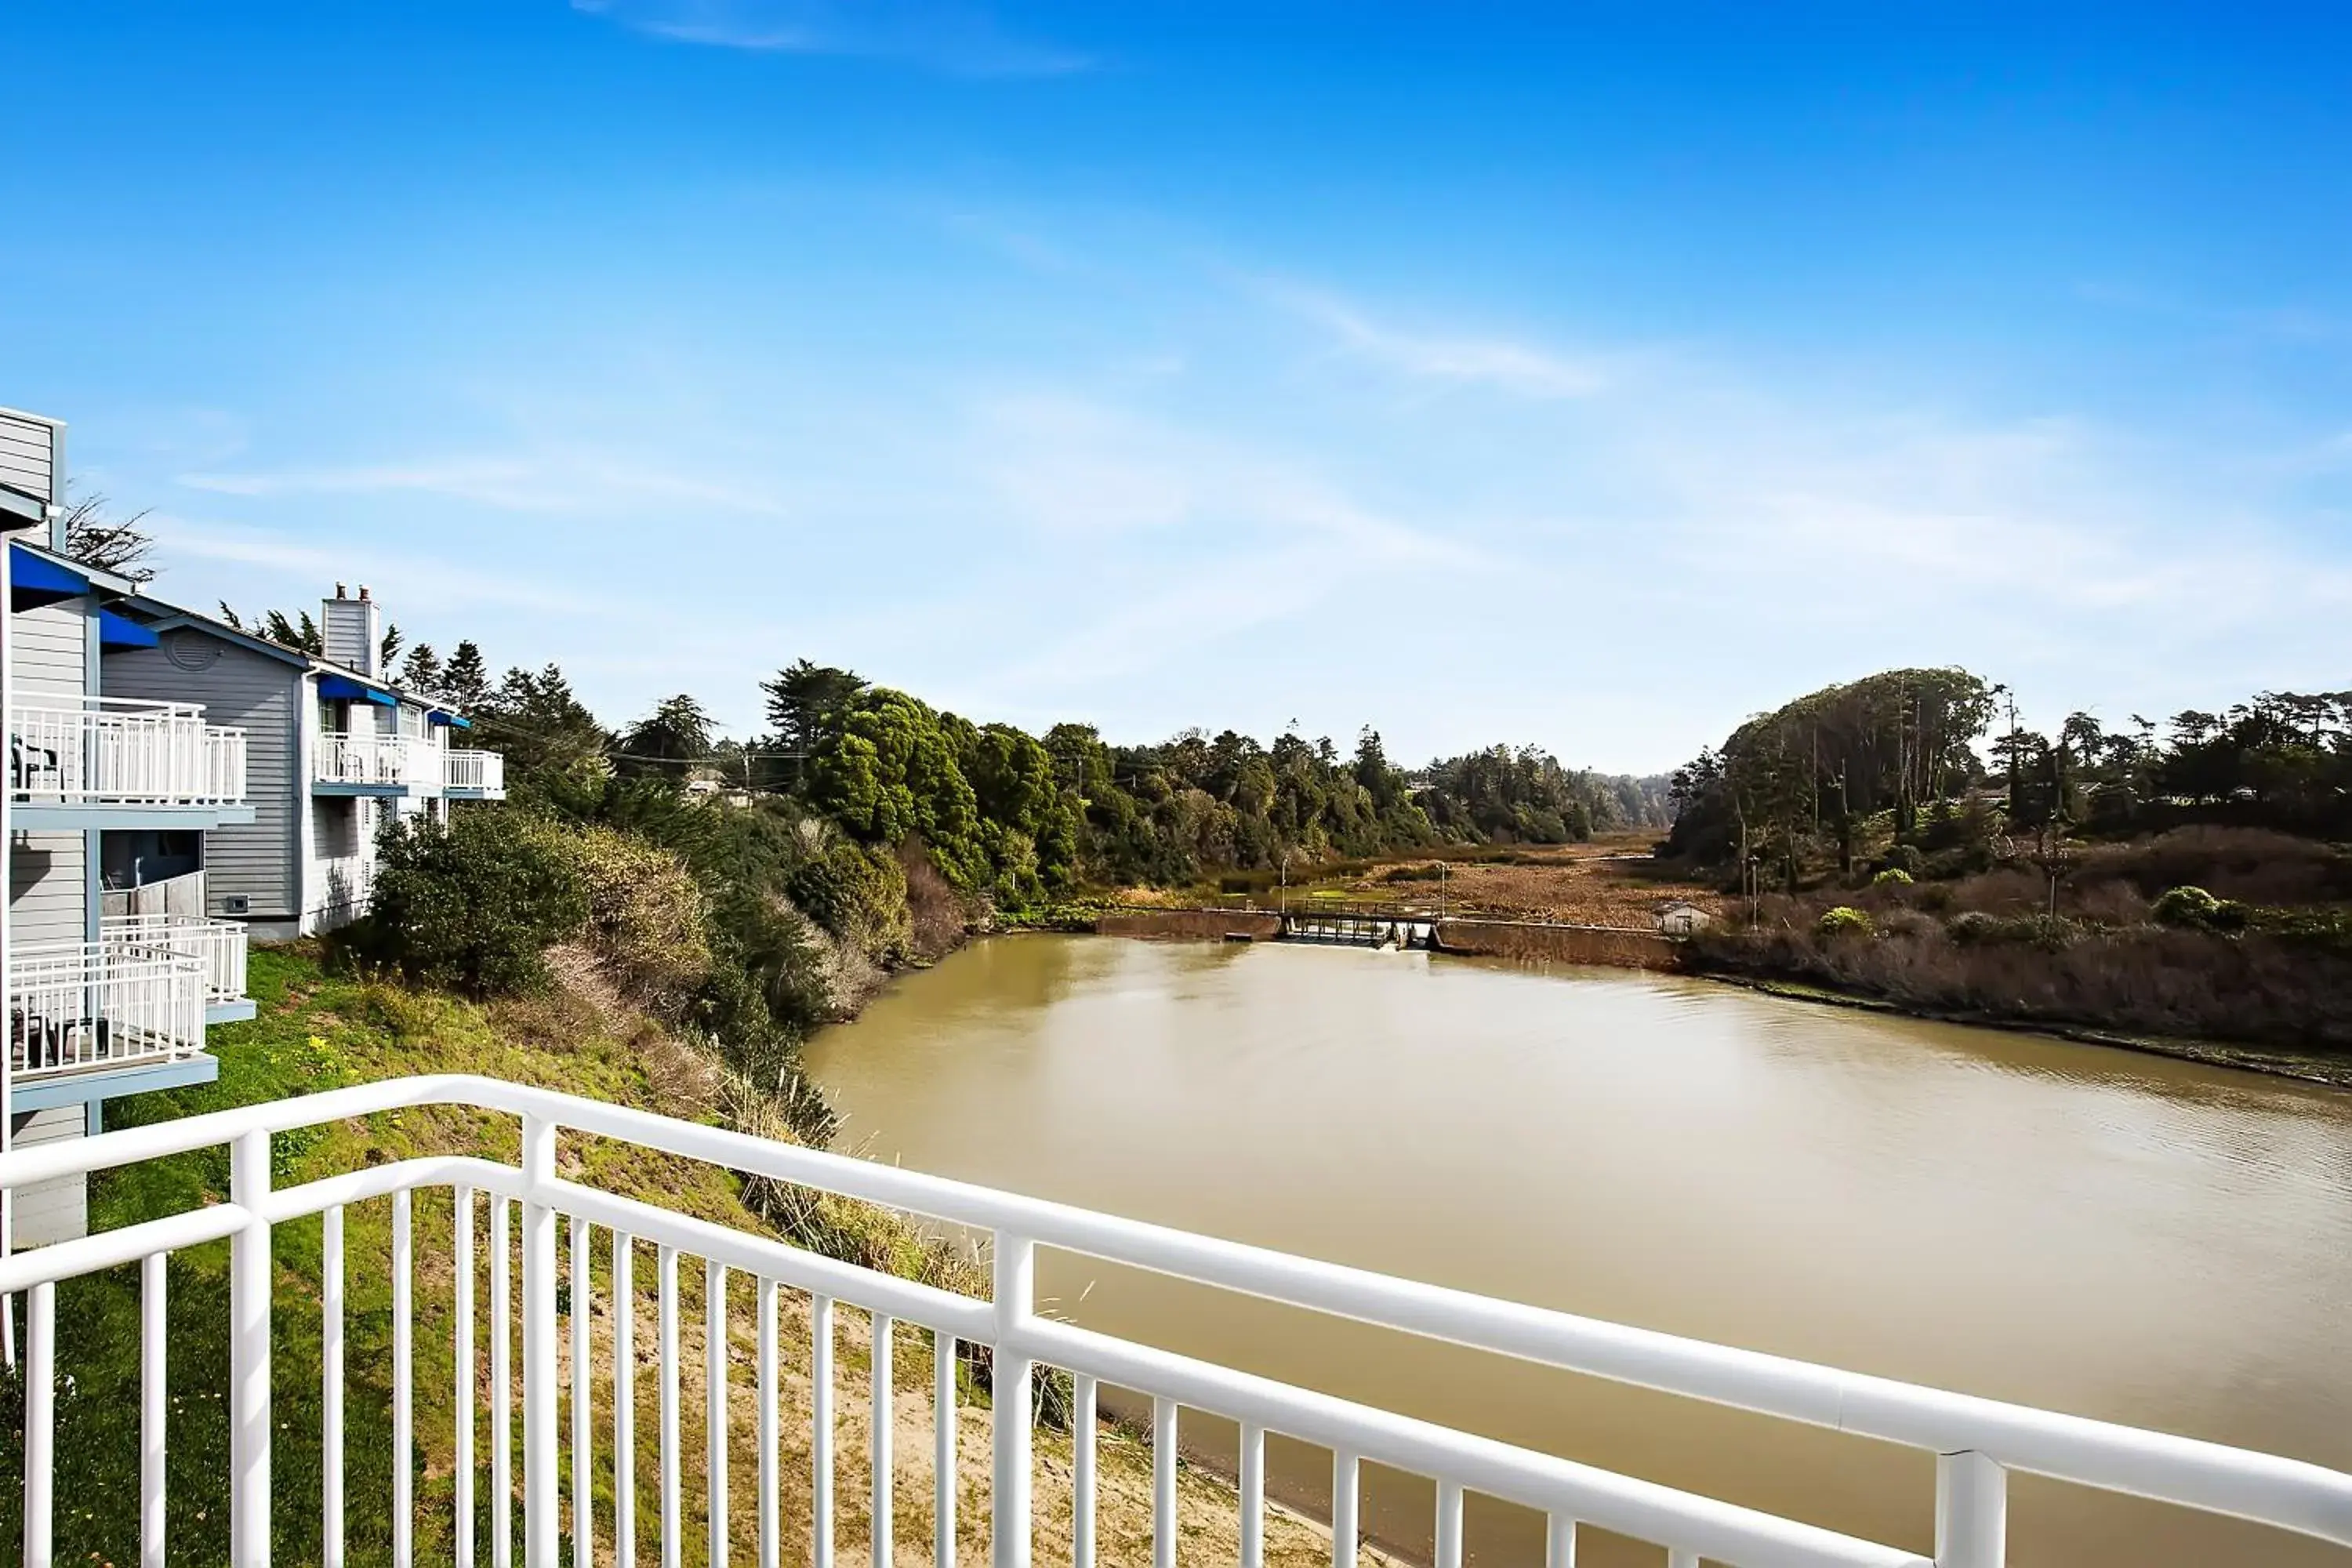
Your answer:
<point x="114" y="763"/>
<point x="405" y="765"/>
<point x="80" y="1012"/>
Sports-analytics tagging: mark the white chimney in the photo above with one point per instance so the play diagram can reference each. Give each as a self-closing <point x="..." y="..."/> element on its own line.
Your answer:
<point x="352" y="630"/>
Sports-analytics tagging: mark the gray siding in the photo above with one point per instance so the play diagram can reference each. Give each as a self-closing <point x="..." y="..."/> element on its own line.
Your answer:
<point x="52" y="649"/>
<point x="48" y="889"/>
<point x="49" y="1212"/>
<point x="261" y="695"/>
<point x="29" y="458"/>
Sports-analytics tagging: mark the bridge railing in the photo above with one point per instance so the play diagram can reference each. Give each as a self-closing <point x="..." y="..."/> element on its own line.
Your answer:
<point x="1977" y="1442"/>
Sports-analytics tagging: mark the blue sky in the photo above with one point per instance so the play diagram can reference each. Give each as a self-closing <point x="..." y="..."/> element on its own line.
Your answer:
<point x="1592" y="377"/>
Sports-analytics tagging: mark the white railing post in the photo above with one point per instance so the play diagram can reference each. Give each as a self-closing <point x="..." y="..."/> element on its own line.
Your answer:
<point x="1972" y="1511"/>
<point x="40" y="1421"/>
<point x="1252" y="1466"/>
<point x="1015" y="1290"/>
<point x="404" y="1370"/>
<point x="248" y="1354"/>
<point x="154" y="1331"/>
<point x="330" y="1388"/>
<point x="538" y="1376"/>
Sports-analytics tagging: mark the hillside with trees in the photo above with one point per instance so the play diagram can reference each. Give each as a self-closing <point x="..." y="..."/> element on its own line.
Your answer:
<point x="1903" y="838"/>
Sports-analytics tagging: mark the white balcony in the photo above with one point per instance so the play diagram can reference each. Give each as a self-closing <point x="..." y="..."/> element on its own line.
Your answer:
<point x="69" y="753"/>
<point x="474" y="775"/>
<point x="101" y="1006"/>
<point x="612" y="1336"/>
<point x="377" y="764"/>
<point x="219" y="946"/>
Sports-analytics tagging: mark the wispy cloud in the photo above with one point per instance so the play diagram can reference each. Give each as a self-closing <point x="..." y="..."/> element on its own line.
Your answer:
<point x="570" y="480"/>
<point x="402" y="575"/>
<point x="1499" y="364"/>
<point x="960" y="39"/>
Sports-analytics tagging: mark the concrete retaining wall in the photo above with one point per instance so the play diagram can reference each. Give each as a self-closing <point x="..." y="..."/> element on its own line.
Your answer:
<point x="1202" y="925"/>
<point x="1566" y="944"/>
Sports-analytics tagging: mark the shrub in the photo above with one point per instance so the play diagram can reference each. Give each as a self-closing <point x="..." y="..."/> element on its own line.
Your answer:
<point x="1973" y="927"/>
<point x="475" y="903"/>
<point x="644" y="915"/>
<point x="857" y="894"/>
<point x="1903" y="857"/>
<point x="1893" y="876"/>
<point x="1844" y="920"/>
<point x="2189" y="907"/>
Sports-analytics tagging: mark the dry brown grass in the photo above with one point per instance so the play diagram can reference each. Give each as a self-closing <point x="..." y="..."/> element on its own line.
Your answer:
<point x="1612" y="881"/>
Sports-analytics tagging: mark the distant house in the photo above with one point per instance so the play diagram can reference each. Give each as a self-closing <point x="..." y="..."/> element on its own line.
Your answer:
<point x="1683" y="917"/>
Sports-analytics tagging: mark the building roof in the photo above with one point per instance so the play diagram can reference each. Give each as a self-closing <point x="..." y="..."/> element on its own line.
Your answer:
<point x="168" y="618"/>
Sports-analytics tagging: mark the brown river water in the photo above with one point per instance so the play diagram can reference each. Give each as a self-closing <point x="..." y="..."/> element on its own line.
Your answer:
<point x="2090" y="1230"/>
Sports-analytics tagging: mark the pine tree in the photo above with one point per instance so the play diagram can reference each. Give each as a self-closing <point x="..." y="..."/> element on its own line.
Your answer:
<point x="466" y="680"/>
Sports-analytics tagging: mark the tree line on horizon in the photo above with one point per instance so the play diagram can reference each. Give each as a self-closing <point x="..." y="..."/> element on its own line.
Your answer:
<point x="1018" y="817"/>
<point x="1894" y="759"/>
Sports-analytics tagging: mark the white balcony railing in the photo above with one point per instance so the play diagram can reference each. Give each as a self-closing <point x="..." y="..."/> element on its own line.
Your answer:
<point x="1977" y="1442"/>
<point x="219" y="946"/>
<point x="97" y="1006"/>
<point x="115" y="751"/>
<point x="474" y="773"/>
<point x="401" y="760"/>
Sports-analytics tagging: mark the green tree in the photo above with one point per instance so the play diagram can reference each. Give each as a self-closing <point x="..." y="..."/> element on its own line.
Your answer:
<point x="807" y="704"/>
<point x="466" y="680"/>
<point x="667" y="743"/>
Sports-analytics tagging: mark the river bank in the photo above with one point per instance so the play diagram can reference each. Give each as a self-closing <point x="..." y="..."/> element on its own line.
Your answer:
<point x="1614" y="948"/>
<point x="2332" y="1071"/>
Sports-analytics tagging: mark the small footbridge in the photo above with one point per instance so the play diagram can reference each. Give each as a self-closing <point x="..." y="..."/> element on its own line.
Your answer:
<point x="1357" y="926"/>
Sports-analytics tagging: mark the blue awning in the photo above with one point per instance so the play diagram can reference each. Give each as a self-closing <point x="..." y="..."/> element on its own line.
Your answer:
<point x="121" y="631"/>
<point x="343" y="689"/>
<point x="448" y="720"/>
<point x="36" y="580"/>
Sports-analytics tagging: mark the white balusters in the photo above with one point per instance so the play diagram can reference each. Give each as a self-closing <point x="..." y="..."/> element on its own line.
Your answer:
<point x="1253" y="1468"/>
<point x="943" y="1450"/>
<point x="878" y="1446"/>
<point x="1972" y="1511"/>
<point x="624" y="1402"/>
<point x="583" y="1498"/>
<point x="714" y="1404"/>
<point x="673" y="1540"/>
<point x="821" y="1430"/>
<point x="331" y="1389"/>
<point x="1086" y="1396"/>
<point x="1449" y="1525"/>
<point x="467" y="1378"/>
<point x="771" y="1523"/>
<point x="501" y="1391"/>
<point x="403" y="1407"/>
<point x="540" y="1469"/>
<point x="1560" y="1541"/>
<point x="1164" y="1483"/>
<point x="1346" y="1477"/>
<point x="153" y="1398"/>
<point x="40" y="1421"/>
<point x="1015" y="1292"/>
<point x="248" y="1356"/>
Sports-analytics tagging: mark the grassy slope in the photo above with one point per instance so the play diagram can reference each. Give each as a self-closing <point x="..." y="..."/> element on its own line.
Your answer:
<point x="314" y="1032"/>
